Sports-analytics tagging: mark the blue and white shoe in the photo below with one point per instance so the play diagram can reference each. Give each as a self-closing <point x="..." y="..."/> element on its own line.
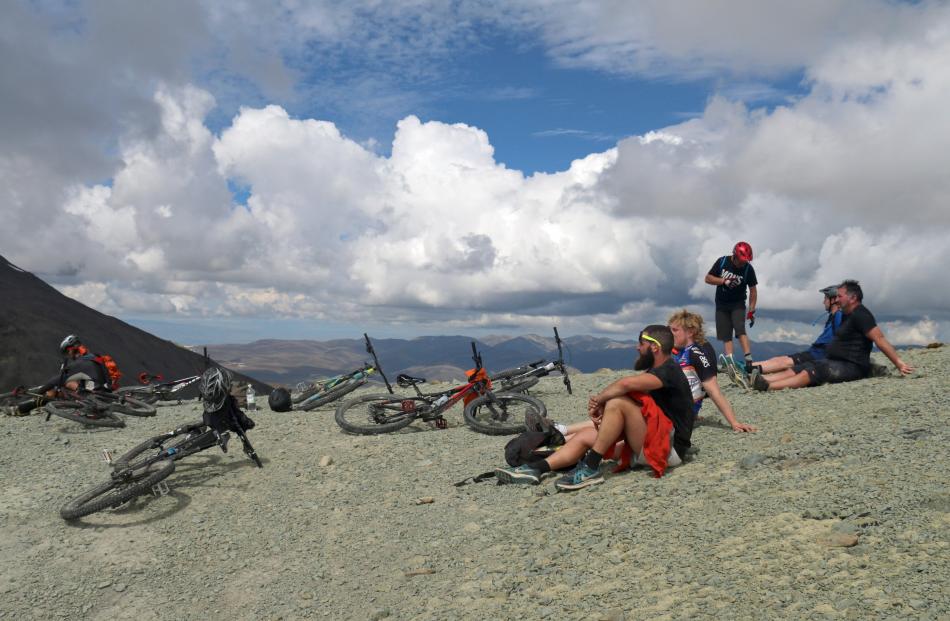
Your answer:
<point x="522" y="475"/>
<point x="580" y="477"/>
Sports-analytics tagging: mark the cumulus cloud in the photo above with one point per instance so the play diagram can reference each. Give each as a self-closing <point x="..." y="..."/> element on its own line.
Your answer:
<point x="843" y="182"/>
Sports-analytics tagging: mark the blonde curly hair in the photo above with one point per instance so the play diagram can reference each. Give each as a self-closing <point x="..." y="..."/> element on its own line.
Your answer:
<point x="691" y="322"/>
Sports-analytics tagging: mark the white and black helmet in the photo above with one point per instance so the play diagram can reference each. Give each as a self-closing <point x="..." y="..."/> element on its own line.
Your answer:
<point x="215" y="387"/>
<point x="70" y="341"/>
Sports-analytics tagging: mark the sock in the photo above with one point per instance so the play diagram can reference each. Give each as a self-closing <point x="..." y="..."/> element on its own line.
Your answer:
<point x="541" y="466"/>
<point x="561" y="427"/>
<point x="592" y="459"/>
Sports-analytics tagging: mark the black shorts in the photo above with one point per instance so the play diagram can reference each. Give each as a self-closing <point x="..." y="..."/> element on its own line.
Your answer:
<point x="729" y="321"/>
<point x="830" y="371"/>
<point x="802" y="357"/>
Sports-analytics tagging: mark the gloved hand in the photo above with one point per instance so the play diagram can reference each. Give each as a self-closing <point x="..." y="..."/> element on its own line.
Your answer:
<point x="730" y="281"/>
<point x="751" y="317"/>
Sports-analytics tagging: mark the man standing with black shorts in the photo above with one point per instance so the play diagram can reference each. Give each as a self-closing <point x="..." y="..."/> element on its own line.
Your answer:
<point x="731" y="275"/>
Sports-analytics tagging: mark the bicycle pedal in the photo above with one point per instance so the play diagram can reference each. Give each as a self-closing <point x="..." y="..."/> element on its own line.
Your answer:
<point x="107" y="456"/>
<point x="441" y="423"/>
<point x="160" y="489"/>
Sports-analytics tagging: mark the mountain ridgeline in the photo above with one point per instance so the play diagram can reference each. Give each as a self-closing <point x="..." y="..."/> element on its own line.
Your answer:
<point x="34" y="318"/>
<point x="433" y="357"/>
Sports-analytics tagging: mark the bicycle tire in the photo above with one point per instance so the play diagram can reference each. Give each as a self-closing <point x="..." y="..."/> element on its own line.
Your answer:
<point x="332" y="395"/>
<point x="123" y="490"/>
<point x="506" y="373"/>
<point x="83" y="413"/>
<point x="124" y="405"/>
<point x="357" y="415"/>
<point x="305" y="393"/>
<point x="146" y="395"/>
<point x="518" y="386"/>
<point x="501" y="414"/>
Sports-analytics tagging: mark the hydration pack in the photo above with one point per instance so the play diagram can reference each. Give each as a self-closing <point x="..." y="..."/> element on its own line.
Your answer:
<point x="112" y="373"/>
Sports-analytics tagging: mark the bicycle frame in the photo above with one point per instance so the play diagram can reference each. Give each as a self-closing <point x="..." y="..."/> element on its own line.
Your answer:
<point x="457" y="393"/>
<point x="541" y="368"/>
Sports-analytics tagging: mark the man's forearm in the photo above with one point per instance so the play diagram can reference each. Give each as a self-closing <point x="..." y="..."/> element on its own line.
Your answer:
<point x="643" y="382"/>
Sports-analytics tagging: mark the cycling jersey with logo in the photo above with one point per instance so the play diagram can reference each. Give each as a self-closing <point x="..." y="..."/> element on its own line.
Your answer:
<point x="698" y="367"/>
<point x="732" y="297"/>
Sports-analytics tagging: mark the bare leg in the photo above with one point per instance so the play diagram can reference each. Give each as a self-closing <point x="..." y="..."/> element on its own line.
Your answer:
<point x="576" y="427"/>
<point x="798" y="380"/>
<point x="781" y="375"/>
<point x="614" y="423"/>
<point x="778" y="363"/>
<point x="727" y="347"/>
<point x="634" y="428"/>
<point x="744" y="342"/>
<point x="571" y="453"/>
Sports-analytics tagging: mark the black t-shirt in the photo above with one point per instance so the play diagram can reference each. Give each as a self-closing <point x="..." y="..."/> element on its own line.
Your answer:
<point x="85" y="364"/>
<point x="732" y="297"/>
<point x="676" y="401"/>
<point x="850" y="343"/>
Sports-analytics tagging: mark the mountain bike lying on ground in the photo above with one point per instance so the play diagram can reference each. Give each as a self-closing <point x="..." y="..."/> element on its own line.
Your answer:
<point x="520" y="379"/>
<point x="310" y="395"/>
<point x="93" y="408"/>
<point x="141" y="469"/>
<point x="162" y="391"/>
<point x="485" y="411"/>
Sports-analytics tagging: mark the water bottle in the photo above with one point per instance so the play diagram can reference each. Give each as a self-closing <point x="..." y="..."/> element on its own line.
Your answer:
<point x="250" y="398"/>
<point x="549" y="366"/>
<point x="441" y="400"/>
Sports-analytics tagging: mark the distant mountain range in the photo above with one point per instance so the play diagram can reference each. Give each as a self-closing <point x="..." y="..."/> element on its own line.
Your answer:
<point x="434" y="357"/>
<point x="35" y="317"/>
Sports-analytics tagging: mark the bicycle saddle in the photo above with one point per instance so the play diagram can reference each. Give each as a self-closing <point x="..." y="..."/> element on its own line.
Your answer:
<point x="407" y="380"/>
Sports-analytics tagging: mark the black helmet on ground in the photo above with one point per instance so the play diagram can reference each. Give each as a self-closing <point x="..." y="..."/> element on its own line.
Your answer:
<point x="279" y="400"/>
<point x="215" y="388"/>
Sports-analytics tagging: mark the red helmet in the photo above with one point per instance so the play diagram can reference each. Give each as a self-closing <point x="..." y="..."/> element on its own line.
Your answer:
<point x="742" y="251"/>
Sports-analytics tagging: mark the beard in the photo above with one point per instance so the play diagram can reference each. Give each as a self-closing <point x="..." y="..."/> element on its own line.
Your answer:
<point x="644" y="362"/>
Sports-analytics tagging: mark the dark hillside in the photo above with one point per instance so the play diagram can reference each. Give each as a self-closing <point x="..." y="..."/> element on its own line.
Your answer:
<point x="34" y="318"/>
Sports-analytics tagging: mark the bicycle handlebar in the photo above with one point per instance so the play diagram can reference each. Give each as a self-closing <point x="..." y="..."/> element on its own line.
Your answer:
<point x="560" y="362"/>
<point x="379" y="367"/>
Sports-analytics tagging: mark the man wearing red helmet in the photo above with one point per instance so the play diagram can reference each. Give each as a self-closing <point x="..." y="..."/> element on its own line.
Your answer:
<point x="731" y="275"/>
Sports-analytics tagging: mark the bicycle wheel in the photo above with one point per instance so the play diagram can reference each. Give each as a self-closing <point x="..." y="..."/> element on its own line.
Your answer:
<point x="331" y="395"/>
<point x="501" y="414"/>
<point x="124" y="404"/>
<point x="147" y="394"/>
<point x="517" y="385"/>
<point x="375" y="414"/>
<point x="511" y="372"/>
<point x="304" y="391"/>
<point x="118" y="490"/>
<point x="84" y="413"/>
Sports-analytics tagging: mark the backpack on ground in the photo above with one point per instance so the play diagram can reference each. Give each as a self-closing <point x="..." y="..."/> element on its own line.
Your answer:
<point x="532" y="445"/>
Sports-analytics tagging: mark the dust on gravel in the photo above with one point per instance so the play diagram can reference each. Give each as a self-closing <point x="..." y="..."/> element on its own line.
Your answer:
<point x="838" y="508"/>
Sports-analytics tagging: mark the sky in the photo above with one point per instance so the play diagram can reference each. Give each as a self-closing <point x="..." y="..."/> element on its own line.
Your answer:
<point x="226" y="171"/>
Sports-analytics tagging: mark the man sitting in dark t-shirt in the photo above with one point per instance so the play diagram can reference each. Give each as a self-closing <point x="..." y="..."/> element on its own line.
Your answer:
<point x="848" y="356"/>
<point x="617" y="416"/>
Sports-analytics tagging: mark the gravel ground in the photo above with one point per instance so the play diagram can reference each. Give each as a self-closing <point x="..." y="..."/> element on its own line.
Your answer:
<point x="838" y="508"/>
